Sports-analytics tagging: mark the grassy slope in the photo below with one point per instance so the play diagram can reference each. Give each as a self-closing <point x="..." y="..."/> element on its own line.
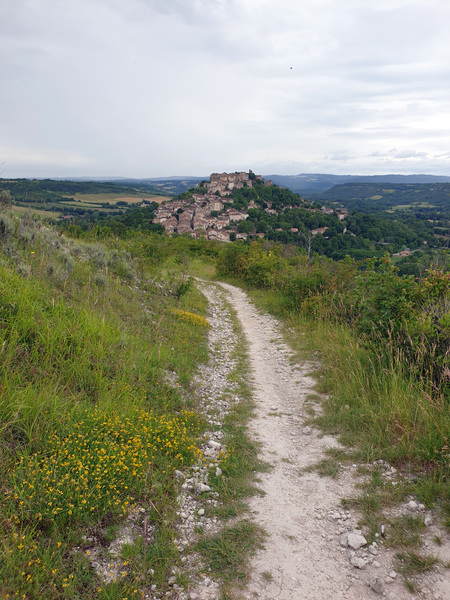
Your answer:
<point x="43" y="213"/>
<point x="89" y="337"/>
<point x="86" y="327"/>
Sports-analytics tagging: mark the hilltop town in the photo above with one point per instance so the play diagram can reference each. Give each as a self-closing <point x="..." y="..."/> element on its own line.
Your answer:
<point x="209" y="213"/>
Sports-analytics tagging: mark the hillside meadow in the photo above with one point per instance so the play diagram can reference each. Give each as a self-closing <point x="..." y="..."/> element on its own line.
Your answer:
<point x="100" y="337"/>
<point x="98" y="346"/>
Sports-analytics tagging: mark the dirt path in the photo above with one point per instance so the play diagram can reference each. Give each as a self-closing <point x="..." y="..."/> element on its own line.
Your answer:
<point x="308" y="554"/>
<point x="314" y="550"/>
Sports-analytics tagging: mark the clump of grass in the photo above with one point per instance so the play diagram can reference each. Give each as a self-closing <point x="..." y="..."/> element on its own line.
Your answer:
<point x="368" y="502"/>
<point x="100" y="279"/>
<point x="7" y="226"/>
<point x="410" y="586"/>
<point x="228" y="553"/>
<point x="413" y="563"/>
<point x="404" y="531"/>
<point x="332" y="465"/>
<point x="328" y="467"/>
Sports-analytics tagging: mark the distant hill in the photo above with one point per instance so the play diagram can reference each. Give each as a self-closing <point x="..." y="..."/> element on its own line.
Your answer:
<point x="426" y="202"/>
<point x="171" y="186"/>
<point x="374" y="197"/>
<point x="315" y="183"/>
<point x="304" y="183"/>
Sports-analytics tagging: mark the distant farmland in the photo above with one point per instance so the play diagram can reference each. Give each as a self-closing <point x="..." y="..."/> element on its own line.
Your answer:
<point x="113" y="198"/>
<point x="42" y="213"/>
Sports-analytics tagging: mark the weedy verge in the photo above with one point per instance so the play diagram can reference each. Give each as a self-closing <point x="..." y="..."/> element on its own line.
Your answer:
<point x="226" y="554"/>
<point x="95" y="344"/>
<point x="382" y="415"/>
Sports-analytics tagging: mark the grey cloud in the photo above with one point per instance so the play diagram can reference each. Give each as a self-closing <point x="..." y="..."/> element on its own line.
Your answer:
<point x="340" y="157"/>
<point x="401" y="34"/>
<point x="152" y="87"/>
<point x="193" y="12"/>
<point x="410" y="154"/>
<point x="396" y="154"/>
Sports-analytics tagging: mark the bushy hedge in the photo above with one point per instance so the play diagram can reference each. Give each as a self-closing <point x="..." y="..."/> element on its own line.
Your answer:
<point x="409" y="316"/>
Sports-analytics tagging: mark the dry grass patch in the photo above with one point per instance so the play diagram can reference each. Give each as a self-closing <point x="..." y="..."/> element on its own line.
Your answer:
<point x="41" y="213"/>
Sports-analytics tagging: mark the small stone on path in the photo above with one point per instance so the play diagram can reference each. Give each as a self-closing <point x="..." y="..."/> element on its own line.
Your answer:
<point x="359" y="563"/>
<point x="377" y="585"/>
<point x="356" y="541"/>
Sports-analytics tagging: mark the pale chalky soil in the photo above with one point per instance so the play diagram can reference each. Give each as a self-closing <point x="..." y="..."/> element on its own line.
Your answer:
<point x="313" y="550"/>
<point x="307" y="554"/>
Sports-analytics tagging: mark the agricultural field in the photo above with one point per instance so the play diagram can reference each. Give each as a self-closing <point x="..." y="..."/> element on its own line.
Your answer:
<point x="41" y="213"/>
<point x="100" y="198"/>
<point x="51" y="198"/>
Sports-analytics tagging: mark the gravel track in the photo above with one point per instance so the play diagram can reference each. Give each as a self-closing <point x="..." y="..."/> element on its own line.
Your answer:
<point x="308" y="553"/>
<point x="314" y="550"/>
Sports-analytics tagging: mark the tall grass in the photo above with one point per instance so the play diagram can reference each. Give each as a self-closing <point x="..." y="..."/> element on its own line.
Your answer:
<point x="97" y="351"/>
<point x="376" y="401"/>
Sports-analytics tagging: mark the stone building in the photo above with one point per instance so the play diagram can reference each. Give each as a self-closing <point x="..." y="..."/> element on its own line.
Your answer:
<point x="170" y="225"/>
<point x="320" y="230"/>
<point x="220" y="236"/>
<point x="224" y="183"/>
<point x="216" y="204"/>
<point x="236" y="215"/>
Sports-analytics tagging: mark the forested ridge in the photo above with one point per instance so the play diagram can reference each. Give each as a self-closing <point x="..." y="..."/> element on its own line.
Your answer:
<point x="367" y="230"/>
<point x="284" y="216"/>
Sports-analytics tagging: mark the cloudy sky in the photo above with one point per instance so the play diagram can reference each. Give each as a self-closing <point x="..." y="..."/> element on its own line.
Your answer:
<point x="149" y="88"/>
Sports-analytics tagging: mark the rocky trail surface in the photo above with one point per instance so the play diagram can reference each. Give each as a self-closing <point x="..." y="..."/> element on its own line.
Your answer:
<point x="314" y="549"/>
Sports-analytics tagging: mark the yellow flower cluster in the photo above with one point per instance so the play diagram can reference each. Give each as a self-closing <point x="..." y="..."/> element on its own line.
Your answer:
<point x="104" y="462"/>
<point x="32" y="567"/>
<point x="28" y="565"/>
<point x="192" y="318"/>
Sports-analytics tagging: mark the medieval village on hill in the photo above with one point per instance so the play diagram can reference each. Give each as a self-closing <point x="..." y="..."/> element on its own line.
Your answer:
<point x="211" y="215"/>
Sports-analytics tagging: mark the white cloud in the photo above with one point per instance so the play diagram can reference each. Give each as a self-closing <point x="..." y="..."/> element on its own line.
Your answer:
<point x="153" y="87"/>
